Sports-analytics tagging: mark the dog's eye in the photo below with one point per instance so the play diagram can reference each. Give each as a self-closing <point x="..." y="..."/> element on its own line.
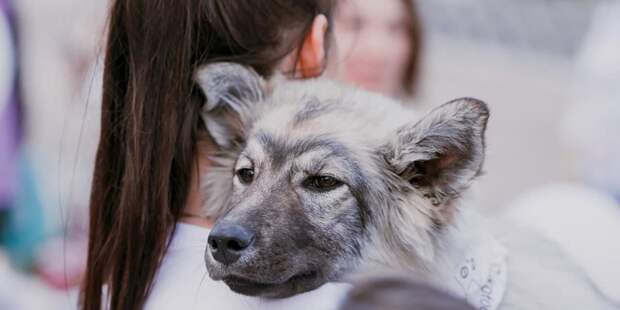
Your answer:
<point x="245" y="175"/>
<point x="322" y="183"/>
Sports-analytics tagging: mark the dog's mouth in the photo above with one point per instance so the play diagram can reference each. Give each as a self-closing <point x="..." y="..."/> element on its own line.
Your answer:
<point x="299" y="283"/>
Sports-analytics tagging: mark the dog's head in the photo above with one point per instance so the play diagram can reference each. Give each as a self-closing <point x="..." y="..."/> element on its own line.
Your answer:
<point x="310" y="176"/>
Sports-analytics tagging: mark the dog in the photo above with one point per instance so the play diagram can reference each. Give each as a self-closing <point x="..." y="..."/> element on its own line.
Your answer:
<point x="314" y="181"/>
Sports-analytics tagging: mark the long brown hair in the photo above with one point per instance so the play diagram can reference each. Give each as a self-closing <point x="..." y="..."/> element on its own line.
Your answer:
<point x="150" y="123"/>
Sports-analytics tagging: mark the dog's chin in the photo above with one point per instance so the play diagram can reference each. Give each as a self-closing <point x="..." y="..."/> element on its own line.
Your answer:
<point x="300" y="283"/>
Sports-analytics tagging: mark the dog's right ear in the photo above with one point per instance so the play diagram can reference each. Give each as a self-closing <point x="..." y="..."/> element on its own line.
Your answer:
<point x="231" y="90"/>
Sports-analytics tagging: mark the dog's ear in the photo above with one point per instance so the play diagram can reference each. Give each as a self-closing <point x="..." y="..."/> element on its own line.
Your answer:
<point x="231" y="90"/>
<point x="443" y="152"/>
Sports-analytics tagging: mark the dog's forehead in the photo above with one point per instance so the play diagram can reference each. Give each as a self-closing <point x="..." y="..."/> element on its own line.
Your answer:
<point x="297" y="110"/>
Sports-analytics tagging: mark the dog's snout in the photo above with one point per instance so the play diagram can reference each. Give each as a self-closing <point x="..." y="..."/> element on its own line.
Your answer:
<point x="228" y="242"/>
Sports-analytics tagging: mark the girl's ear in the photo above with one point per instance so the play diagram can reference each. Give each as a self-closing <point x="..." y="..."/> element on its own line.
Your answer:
<point x="312" y="55"/>
<point x="231" y="91"/>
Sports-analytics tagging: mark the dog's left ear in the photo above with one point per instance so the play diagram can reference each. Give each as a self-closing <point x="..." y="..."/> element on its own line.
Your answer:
<point x="231" y="91"/>
<point x="443" y="152"/>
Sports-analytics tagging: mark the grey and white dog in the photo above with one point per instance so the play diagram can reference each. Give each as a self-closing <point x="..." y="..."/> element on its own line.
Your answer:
<point x="316" y="181"/>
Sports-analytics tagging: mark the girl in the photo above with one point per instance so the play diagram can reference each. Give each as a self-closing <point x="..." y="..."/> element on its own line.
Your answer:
<point x="147" y="236"/>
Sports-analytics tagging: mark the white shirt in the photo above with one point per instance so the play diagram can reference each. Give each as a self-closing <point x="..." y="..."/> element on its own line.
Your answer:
<point x="182" y="282"/>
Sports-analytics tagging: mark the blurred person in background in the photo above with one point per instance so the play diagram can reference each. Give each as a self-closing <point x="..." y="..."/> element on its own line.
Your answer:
<point x="584" y="216"/>
<point x="44" y="249"/>
<point x="380" y="44"/>
<point x="59" y="42"/>
<point x="20" y="210"/>
<point x="10" y="115"/>
<point x="20" y="225"/>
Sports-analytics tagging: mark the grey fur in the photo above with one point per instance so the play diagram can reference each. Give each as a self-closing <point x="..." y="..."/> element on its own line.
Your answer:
<point x="399" y="204"/>
<point x="441" y="154"/>
<point x="230" y="91"/>
<point x="281" y="150"/>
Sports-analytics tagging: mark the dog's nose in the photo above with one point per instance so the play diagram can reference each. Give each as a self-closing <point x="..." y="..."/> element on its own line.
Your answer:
<point x="227" y="242"/>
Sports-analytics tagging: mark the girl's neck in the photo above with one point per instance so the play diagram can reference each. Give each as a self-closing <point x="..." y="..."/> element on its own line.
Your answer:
<point x="194" y="213"/>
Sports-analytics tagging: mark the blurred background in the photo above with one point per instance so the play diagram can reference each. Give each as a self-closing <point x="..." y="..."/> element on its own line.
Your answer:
<point x="549" y="69"/>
